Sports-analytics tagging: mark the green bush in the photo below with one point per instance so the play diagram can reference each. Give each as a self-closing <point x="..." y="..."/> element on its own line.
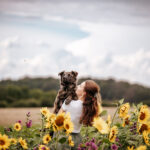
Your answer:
<point x="26" y="103"/>
<point x="3" y="103"/>
<point x="48" y="98"/>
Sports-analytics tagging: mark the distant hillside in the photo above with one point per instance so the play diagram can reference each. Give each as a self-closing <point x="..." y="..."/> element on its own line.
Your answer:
<point x="28" y="89"/>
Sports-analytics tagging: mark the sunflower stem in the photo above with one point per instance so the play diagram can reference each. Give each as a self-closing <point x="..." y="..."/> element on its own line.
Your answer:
<point x="114" y="116"/>
<point x="42" y="126"/>
<point x="56" y="143"/>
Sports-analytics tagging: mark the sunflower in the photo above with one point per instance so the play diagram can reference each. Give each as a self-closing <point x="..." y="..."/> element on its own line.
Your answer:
<point x="44" y="111"/>
<point x="71" y="143"/>
<point x="55" y="128"/>
<point x="143" y="107"/>
<point x="123" y="111"/>
<point x="46" y="139"/>
<point x="50" y="117"/>
<point x="59" y="121"/>
<point x="13" y="141"/>
<point x="43" y="147"/>
<point x="113" y="132"/>
<point x="68" y="125"/>
<point x="17" y="126"/>
<point x="146" y="138"/>
<point x="144" y="127"/>
<point x="126" y="121"/>
<point x="130" y="147"/>
<point x="143" y="115"/>
<point x="67" y="116"/>
<point x="23" y="143"/>
<point x="142" y="147"/>
<point x="4" y="142"/>
<point x="108" y="121"/>
<point x="101" y="125"/>
<point x="48" y="124"/>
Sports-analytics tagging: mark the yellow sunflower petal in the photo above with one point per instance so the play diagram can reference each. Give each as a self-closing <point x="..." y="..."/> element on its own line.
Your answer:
<point x="142" y="147"/>
<point x="101" y="125"/>
<point x="143" y="115"/>
<point x="59" y="121"/>
<point x="44" y="111"/>
<point x="46" y="139"/>
<point x="43" y="147"/>
<point x="17" y="126"/>
<point x="71" y="143"/>
<point x="123" y="111"/>
<point x="23" y="143"/>
<point x="4" y="142"/>
<point x="130" y="147"/>
<point x="68" y="125"/>
<point x="113" y="133"/>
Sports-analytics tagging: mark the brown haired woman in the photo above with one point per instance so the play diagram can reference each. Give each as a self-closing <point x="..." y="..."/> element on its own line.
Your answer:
<point x="83" y="110"/>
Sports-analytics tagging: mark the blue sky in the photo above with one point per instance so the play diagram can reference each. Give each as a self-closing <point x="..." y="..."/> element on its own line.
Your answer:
<point x="96" y="38"/>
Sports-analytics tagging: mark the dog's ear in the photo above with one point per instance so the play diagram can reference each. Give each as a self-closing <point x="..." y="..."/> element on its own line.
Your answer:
<point x="61" y="73"/>
<point x="74" y="73"/>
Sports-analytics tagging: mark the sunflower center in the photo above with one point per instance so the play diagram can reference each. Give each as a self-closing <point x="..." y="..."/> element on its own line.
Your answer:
<point x="12" y="141"/>
<point x="113" y="134"/>
<point x="126" y="121"/>
<point x="2" y="142"/>
<point x="47" y="139"/>
<point x="22" y="143"/>
<point x="17" y="126"/>
<point x="60" y="121"/>
<point x="123" y="109"/>
<point x="67" y="126"/>
<point x="143" y="127"/>
<point x="44" y="112"/>
<point x="142" y="116"/>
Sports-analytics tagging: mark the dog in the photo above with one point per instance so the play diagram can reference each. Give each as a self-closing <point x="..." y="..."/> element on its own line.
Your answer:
<point x="68" y="85"/>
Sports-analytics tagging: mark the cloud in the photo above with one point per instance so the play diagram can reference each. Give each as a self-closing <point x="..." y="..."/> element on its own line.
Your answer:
<point x="113" y="50"/>
<point x="96" y="38"/>
<point x="10" y="42"/>
<point x="45" y="59"/>
<point x="135" y="12"/>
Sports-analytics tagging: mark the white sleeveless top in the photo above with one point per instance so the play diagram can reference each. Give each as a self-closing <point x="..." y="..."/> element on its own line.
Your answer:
<point x="75" y="109"/>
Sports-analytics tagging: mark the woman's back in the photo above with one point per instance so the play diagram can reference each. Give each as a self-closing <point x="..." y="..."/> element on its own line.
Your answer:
<point x="75" y="110"/>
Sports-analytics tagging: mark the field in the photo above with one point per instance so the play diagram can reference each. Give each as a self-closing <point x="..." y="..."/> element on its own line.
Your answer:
<point x="9" y="116"/>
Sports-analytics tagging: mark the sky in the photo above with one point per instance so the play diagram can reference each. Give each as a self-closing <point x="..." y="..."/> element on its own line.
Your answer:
<point x="96" y="38"/>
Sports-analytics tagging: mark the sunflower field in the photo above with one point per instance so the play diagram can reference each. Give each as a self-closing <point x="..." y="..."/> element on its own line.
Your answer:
<point x="128" y="129"/>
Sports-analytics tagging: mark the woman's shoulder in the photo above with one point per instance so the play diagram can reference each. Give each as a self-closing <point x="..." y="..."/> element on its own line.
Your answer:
<point x="73" y="103"/>
<point x="76" y="101"/>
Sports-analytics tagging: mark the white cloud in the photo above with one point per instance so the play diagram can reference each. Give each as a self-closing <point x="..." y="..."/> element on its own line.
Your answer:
<point x="116" y="45"/>
<point x="10" y="42"/>
<point x="114" y="51"/>
<point x="4" y="59"/>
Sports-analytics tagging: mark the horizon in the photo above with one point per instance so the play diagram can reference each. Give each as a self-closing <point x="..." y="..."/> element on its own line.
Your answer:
<point x="80" y="77"/>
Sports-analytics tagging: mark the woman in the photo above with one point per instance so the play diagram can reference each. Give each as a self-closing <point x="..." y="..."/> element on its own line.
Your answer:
<point x="83" y="110"/>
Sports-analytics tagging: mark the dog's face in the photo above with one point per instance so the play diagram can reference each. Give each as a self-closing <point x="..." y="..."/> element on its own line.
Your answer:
<point x="68" y="77"/>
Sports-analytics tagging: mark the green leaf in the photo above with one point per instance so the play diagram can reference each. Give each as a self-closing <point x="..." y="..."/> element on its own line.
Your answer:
<point x="38" y="135"/>
<point x="139" y="105"/>
<point x="106" y="140"/>
<point x="103" y="113"/>
<point x="62" y="140"/>
<point x="121" y="101"/>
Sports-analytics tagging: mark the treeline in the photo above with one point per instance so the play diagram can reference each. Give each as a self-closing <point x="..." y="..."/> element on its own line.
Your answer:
<point x="40" y="92"/>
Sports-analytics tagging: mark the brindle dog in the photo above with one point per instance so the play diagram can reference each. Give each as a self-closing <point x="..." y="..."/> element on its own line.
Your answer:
<point x="68" y="84"/>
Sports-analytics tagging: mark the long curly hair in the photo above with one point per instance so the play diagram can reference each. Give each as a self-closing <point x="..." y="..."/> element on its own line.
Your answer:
<point x="92" y="99"/>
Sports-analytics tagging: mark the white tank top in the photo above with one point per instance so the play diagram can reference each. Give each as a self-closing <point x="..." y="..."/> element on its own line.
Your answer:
<point x="75" y="109"/>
